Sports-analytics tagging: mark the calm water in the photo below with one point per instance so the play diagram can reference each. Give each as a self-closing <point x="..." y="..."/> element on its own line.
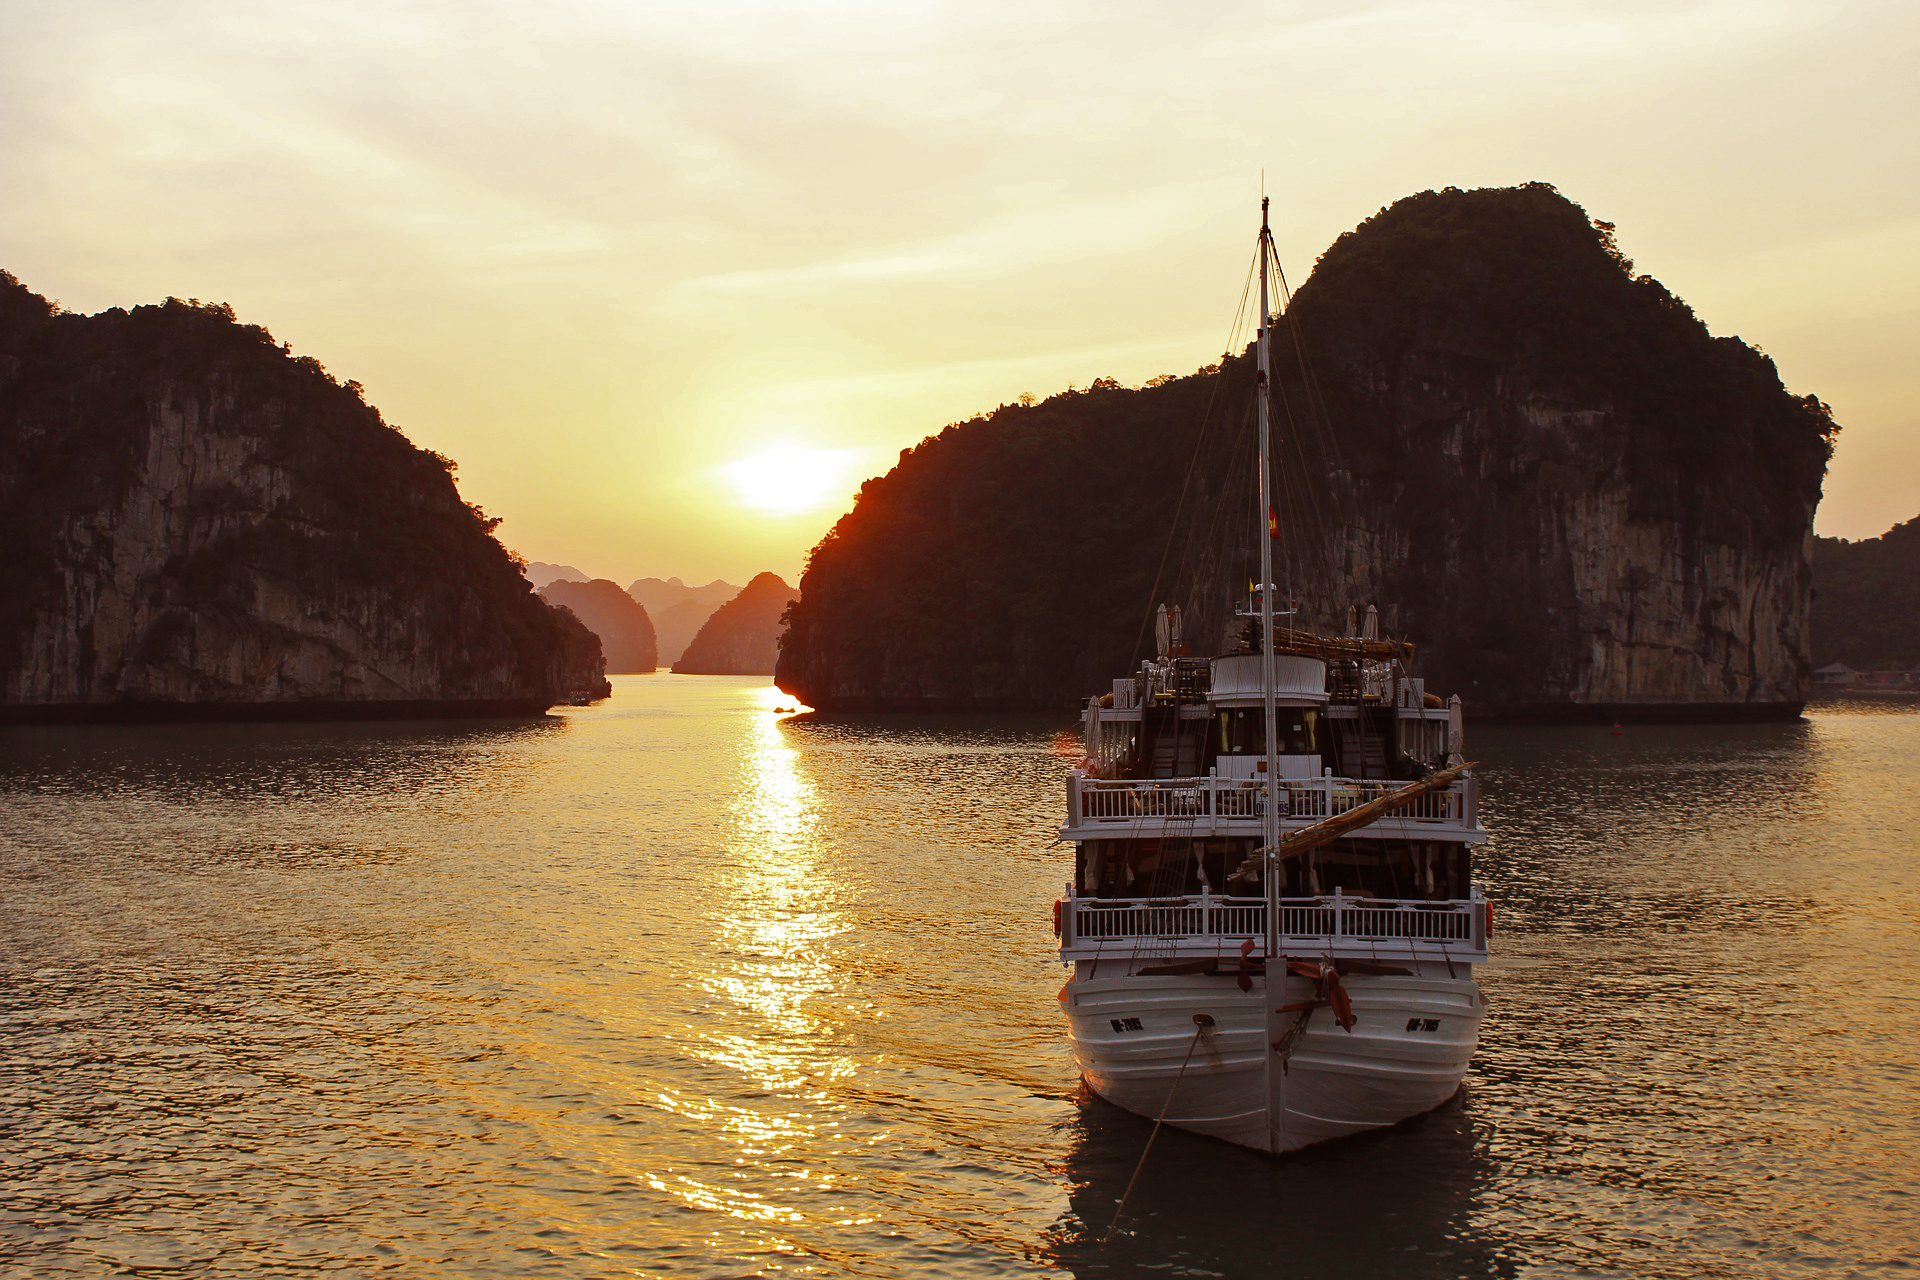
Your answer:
<point x="674" y="986"/>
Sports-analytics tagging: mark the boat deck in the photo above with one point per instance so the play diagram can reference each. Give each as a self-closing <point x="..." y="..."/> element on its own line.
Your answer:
<point x="1214" y="926"/>
<point x="1104" y="808"/>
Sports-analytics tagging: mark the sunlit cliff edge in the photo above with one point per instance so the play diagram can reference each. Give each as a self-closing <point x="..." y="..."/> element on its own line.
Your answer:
<point x="200" y="525"/>
<point x="1542" y="467"/>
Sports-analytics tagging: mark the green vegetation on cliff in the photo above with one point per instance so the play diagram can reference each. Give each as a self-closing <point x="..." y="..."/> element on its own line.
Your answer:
<point x="1520" y="277"/>
<point x="194" y="515"/>
<point x="1540" y="465"/>
<point x="1866" y="603"/>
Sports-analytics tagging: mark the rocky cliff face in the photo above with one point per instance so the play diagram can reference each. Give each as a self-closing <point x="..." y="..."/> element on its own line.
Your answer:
<point x="742" y="638"/>
<point x="1542" y="468"/>
<point x="625" y="631"/>
<point x="199" y="523"/>
<point x="1565" y="485"/>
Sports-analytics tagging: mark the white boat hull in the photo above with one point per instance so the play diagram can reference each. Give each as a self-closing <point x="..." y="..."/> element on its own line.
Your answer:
<point x="1407" y="1053"/>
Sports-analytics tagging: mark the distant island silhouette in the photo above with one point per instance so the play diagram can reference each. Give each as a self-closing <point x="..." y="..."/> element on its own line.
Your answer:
<point x="742" y="638"/>
<point x="539" y="573"/>
<point x="621" y="622"/>
<point x="675" y="612"/>
<point x="678" y="610"/>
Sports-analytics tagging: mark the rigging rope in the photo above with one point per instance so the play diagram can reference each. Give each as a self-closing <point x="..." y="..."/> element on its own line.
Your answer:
<point x="1345" y="499"/>
<point x="1193" y="462"/>
<point x="1324" y="547"/>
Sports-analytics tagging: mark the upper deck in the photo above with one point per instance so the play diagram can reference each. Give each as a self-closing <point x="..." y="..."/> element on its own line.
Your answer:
<point x="1180" y="749"/>
<point x="1146" y="808"/>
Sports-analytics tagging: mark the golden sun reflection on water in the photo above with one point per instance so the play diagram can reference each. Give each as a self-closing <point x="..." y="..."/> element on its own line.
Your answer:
<point x="775" y="1036"/>
<point x="780" y="912"/>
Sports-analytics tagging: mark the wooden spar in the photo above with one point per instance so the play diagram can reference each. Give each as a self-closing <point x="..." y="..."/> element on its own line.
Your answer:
<point x="1307" y="644"/>
<point x="1327" y="830"/>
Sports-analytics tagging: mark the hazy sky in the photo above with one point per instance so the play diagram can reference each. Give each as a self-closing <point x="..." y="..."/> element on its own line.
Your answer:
<point x="669" y="280"/>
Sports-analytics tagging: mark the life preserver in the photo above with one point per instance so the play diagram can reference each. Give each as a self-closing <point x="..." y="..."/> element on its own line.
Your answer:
<point x="1057" y="904"/>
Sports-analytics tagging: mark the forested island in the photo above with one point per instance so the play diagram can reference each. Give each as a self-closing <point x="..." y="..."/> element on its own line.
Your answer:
<point x="1539" y="464"/>
<point x="1866" y="604"/>
<point x="200" y="524"/>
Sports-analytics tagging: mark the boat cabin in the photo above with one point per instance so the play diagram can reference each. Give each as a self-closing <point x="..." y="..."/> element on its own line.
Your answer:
<point x="1186" y="718"/>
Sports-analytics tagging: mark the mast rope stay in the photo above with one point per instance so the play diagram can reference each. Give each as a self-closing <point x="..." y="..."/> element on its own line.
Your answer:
<point x="1193" y="464"/>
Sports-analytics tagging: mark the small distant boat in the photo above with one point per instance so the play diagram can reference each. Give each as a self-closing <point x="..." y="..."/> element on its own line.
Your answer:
<point x="1273" y="941"/>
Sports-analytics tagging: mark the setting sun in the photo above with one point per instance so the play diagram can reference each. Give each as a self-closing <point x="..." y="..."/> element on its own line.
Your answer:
<point x="791" y="481"/>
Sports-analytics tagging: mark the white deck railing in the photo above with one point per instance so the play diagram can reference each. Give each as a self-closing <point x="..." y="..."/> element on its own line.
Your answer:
<point x="1096" y="800"/>
<point x="1090" y="926"/>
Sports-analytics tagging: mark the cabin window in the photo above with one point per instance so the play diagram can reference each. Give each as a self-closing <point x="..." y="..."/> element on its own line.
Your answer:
<point x="1242" y="731"/>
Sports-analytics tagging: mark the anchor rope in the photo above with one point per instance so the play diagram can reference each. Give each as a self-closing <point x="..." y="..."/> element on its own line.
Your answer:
<point x="1199" y="1029"/>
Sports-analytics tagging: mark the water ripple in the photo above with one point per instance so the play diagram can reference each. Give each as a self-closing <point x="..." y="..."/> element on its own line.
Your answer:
<point x="681" y="986"/>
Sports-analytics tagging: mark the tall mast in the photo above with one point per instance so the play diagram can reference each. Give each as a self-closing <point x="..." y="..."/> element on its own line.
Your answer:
<point x="1276" y="968"/>
<point x="1270" y="823"/>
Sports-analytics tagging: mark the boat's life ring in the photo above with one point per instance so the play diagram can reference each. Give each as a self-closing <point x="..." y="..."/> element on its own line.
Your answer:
<point x="1057" y="905"/>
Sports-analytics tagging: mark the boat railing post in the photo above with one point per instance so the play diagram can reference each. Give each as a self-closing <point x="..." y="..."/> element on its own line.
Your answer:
<point x="1339" y="913"/>
<point x="1073" y="797"/>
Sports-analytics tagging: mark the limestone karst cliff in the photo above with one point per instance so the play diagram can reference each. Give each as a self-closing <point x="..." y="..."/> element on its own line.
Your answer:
<point x="625" y="631"/>
<point x="1540" y="465"/>
<point x="198" y="523"/>
<point x="742" y="638"/>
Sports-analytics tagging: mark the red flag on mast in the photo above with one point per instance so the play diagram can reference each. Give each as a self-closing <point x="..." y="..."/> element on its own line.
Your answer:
<point x="1273" y="525"/>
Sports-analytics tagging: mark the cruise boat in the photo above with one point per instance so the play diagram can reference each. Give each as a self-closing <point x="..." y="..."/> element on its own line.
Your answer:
<point x="1272" y="922"/>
